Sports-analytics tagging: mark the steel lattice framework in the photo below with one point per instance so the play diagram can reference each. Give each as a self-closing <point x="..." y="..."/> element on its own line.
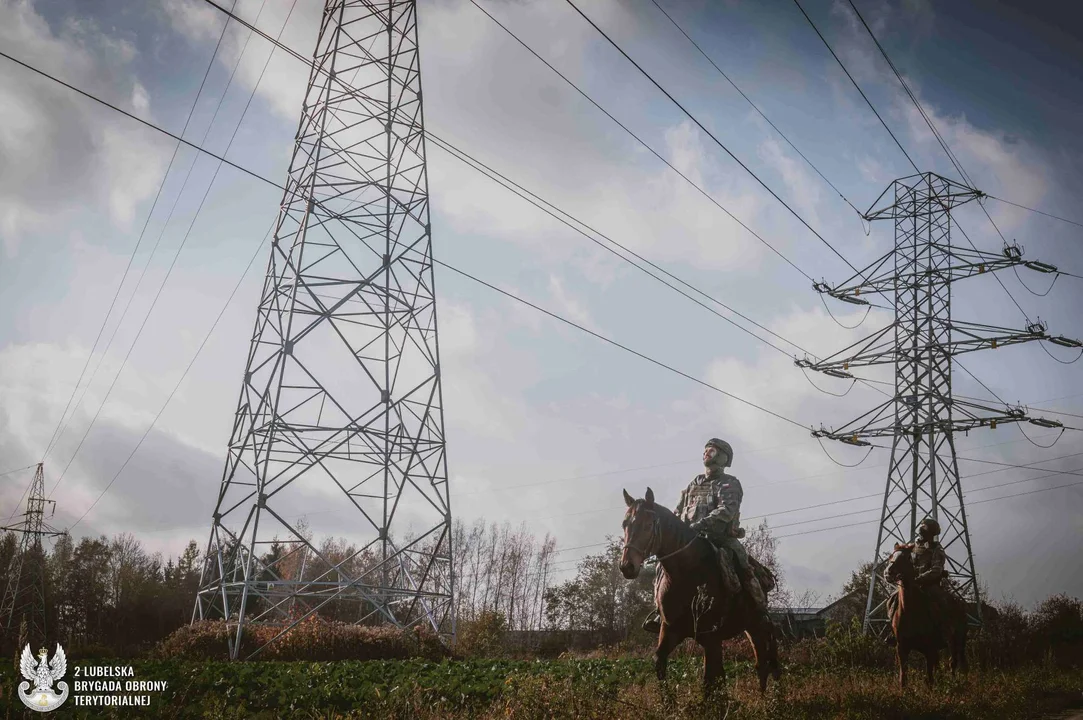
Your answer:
<point x="922" y="416"/>
<point x="23" y="609"/>
<point x="341" y="396"/>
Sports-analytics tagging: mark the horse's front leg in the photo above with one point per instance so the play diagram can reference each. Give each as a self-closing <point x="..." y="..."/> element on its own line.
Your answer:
<point x="668" y="640"/>
<point x="931" y="659"/>
<point x="902" y="652"/>
<point x="714" y="668"/>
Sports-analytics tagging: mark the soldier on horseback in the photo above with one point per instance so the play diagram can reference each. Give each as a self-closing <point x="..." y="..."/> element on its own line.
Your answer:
<point x="929" y="560"/>
<point x="711" y="504"/>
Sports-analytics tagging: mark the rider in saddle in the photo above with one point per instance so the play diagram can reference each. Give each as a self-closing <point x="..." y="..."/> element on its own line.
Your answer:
<point x="929" y="558"/>
<point x="711" y="504"/>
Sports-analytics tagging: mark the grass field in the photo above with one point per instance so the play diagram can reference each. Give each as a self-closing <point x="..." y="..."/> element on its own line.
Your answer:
<point x="621" y="688"/>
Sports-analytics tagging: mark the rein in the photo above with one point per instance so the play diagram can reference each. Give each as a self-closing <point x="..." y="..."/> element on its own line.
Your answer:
<point x="655" y="532"/>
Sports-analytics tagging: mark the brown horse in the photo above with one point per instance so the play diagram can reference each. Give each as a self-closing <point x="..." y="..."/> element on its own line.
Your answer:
<point x="915" y="624"/>
<point x="691" y="593"/>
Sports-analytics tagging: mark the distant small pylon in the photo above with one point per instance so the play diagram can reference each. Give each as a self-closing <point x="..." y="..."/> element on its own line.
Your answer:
<point x="23" y="607"/>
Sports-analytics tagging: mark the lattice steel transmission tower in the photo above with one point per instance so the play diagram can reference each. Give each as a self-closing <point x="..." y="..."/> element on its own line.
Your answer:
<point x="341" y="401"/>
<point x="23" y="609"/>
<point x="923" y="415"/>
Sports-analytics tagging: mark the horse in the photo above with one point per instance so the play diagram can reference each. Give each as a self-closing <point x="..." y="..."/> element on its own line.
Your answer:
<point x="691" y="594"/>
<point x="913" y="621"/>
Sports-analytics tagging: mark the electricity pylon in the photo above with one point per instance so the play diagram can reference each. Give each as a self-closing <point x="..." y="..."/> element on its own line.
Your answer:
<point x="23" y="607"/>
<point x="922" y="415"/>
<point x="341" y="398"/>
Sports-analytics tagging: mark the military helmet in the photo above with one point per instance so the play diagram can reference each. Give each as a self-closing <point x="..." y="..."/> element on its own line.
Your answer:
<point x="721" y="446"/>
<point x="933" y="525"/>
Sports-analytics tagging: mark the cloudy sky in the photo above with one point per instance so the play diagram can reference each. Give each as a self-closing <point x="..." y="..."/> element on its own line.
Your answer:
<point x="545" y="424"/>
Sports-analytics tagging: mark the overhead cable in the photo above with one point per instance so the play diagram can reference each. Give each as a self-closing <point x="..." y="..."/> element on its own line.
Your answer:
<point x="1024" y="207"/>
<point x="714" y="138"/>
<point x="647" y="147"/>
<point x="754" y="106"/>
<point x="865" y="97"/>
<point x="57" y="432"/>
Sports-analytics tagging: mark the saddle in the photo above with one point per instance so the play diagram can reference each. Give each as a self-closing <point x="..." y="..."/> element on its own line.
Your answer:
<point x="729" y="572"/>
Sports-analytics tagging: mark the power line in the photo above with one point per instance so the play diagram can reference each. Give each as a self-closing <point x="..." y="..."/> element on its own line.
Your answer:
<point x="57" y="432"/>
<point x="549" y="207"/>
<point x="169" y="271"/>
<point x="757" y="486"/>
<point x="139" y="120"/>
<point x="943" y="144"/>
<point x="276" y="185"/>
<point x="976" y="502"/>
<point x="713" y="137"/>
<point x="936" y="133"/>
<point x="1019" y="467"/>
<point x="928" y="121"/>
<point x="19" y="504"/>
<point x="1024" y="207"/>
<point x="236" y="287"/>
<point x="616" y="344"/>
<point x="165" y="226"/>
<point x="639" y="140"/>
<point x="867" y="510"/>
<point x="865" y="97"/>
<point x="441" y="263"/>
<point x="754" y="106"/>
<point x="559" y="214"/>
<point x="184" y="374"/>
<point x="995" y="276"/>
<point x="987" y="389"/>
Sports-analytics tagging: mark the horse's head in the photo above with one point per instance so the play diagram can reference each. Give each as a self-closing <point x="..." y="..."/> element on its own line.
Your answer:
<point x="900" y="566"/>
<point x="640" y="533"/>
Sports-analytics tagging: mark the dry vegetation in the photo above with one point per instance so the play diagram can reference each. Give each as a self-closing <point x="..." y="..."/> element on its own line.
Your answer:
<point x="527" y="648"/>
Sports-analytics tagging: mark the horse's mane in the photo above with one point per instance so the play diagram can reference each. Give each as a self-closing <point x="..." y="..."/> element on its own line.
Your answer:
<point x="672" y="523"/>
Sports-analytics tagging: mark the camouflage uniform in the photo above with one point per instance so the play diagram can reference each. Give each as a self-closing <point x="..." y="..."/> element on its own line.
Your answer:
<point x="711" y="504"/>
<point x="929" y="560"/>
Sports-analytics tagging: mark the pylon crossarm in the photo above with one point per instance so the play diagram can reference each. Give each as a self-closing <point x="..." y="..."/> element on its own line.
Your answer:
<point x="969" y="337"/>
<point x="857" y="354"/>
<point x="922" y="193"/>
<point x="861" y="436"/>
<point x="873" y="279"/>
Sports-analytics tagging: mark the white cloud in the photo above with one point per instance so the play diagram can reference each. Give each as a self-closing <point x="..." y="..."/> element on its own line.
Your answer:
<point x="70" y="154"/>
<point x="140" y="99"/>
<point x="803" y="187"/>
<point x="194" y="19"/>
<point x="569" y="306"/>
<point x="283" y="83"/>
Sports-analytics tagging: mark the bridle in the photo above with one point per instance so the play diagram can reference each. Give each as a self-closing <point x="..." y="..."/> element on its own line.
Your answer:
<point x="898" y="574"/>
<point x="655" y="533"/>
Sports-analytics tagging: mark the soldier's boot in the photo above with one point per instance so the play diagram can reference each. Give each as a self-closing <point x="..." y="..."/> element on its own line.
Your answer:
<point x="653" y="623"/>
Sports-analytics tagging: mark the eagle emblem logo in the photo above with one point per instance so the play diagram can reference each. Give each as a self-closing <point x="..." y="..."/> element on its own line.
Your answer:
<point x="42" y="674"/>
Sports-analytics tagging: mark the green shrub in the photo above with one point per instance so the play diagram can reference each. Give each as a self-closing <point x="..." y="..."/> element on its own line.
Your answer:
<point x="483" y="636"/>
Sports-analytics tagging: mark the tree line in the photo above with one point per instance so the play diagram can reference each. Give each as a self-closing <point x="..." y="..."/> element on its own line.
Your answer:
<point x="111" y="596"/>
